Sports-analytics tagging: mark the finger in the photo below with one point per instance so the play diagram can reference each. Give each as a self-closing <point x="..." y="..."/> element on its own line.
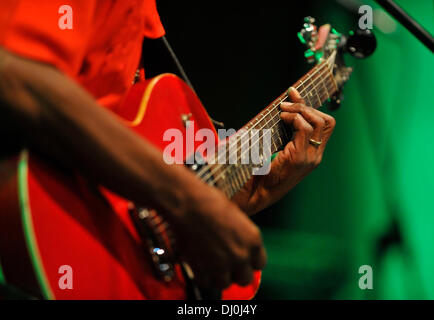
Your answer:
<point x="243" y="274"/>
<point x="222" y="281"/>
<point x="295" y="96"/>
<point x="330" y="122"/>
<point x="302" y="130"/>
<point x="315" y="119"/>
<point x="329" y="125"/>
<point x="259" y="258"/>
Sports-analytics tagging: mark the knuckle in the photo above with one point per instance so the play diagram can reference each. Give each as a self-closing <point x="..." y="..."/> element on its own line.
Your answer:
<point x="285" y="104"/>
<point x="321" y="122"/>
<point x="331" y="121"/>
<point x="241" y="257"/>
<point x="243" y="274"/>
<point x="301" y="106"/>
<point x="298" y="118"/>
<point x="308" y="128"/>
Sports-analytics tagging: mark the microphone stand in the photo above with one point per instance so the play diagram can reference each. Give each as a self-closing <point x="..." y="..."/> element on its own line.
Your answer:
<point x="408" y="22"/>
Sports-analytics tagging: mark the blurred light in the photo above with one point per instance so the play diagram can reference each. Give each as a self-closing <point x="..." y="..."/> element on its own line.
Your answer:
<point x="159" y="251"/>
<point x="384" y="22"/>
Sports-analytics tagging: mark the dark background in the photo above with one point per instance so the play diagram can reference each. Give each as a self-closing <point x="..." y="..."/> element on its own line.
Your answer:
<point x="240" y="55"/>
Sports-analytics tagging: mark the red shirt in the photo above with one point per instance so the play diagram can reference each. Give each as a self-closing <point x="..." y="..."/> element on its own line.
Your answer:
<point x="101" y="52"/>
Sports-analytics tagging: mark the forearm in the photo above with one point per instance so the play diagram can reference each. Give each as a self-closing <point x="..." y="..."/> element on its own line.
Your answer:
<point x="62" y="120"/>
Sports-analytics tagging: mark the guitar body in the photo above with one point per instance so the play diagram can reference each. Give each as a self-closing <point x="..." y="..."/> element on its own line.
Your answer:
<point x="54" y="225"/>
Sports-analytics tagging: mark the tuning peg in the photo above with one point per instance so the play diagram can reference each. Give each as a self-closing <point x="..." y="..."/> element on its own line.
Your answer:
<point x="308" y="34"/>
<point x="361" y="43"/>
<point x="309" y="20"/>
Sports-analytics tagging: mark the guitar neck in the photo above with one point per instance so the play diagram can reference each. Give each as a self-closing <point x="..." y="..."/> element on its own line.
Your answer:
<point x="315" y="87"/>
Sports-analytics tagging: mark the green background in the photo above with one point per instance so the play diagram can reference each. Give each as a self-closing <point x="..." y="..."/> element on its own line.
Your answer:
<point x="371" y="202"/>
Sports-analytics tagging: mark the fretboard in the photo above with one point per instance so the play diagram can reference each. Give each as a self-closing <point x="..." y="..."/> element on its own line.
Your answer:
<point x="315" y="87"/>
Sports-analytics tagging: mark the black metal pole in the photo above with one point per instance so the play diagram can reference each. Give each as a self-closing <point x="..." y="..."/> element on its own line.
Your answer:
<point x="408" y="22"/>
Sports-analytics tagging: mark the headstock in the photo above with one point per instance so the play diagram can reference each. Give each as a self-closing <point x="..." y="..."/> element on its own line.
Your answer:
<point x="325" y="43"/>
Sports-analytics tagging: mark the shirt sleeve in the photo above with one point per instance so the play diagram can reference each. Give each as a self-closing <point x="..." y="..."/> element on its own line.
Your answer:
<point x="153" y="28"/>
<point x="30" y="28"/>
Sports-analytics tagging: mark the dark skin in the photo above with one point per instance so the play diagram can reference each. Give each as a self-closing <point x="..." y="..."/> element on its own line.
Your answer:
<point x="295" y="161"/>
<point x="61" y="120"/>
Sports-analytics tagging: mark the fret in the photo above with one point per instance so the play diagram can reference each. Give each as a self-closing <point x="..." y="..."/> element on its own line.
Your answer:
<point x="232" y="179"/>
<point x="268" y="116"/>
<point x="273" y="140"/>
<point x="223" y="185"/>
<point x="276" y="116"/>
<point x="331" y="79"/>
<point x="312" y="91"/>
<point x="280" y="140"/>
<point x="307" y="94"/>
<point x="321" y="93"/>
<point x="245" y="172"/>
<point x="312" y="87"/>
<point x="315" y="87"/>
<point x="310" y="95"/>
<point x="260" y="122"/>
<point x="227" y="190"/>
<point x="248" y="171"/>
<point x="240" y="178"/>
<point x="280" y="135"/>
<point x="230" y="187"/>
<point x="263" y="145"/>
<point x="238" y="182"/>
<point x="239" y="173"/>
<point x="232" y="182"/>
<point x="326" y="90"/>
<point x="325" y="86"/>
<point x="233" y="186"/>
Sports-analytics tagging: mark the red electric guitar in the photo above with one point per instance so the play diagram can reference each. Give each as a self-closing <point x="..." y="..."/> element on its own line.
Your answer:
<point x="52" y="222"/>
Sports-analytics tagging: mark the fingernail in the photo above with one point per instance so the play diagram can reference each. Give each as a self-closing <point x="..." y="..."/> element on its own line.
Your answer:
<point x="287" y="103"/>
<point x="292" y="89"/>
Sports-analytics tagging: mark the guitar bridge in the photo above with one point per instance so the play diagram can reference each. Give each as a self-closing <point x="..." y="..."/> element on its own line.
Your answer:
<point x="158" y="241"/>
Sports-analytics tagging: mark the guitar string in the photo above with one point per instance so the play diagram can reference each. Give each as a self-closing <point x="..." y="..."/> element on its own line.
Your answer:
<point x="215" y="180"/>
<point x="285" y="95"/>
<point x="282" y="98"/>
